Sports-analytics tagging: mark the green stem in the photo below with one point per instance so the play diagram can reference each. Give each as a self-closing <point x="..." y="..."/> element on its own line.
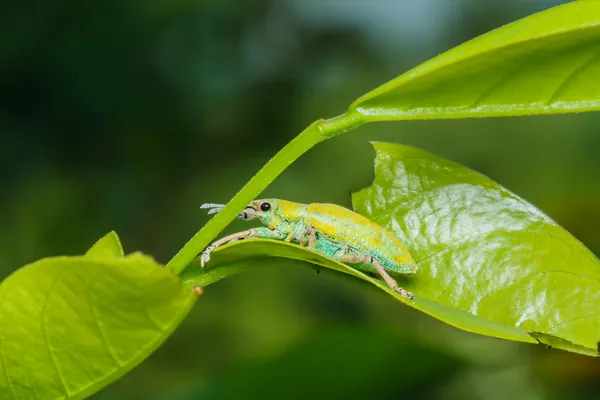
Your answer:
<point x="315" y="133"/>
<point x="340" y="124"/>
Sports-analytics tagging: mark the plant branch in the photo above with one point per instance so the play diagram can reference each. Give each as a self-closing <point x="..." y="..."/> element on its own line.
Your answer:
<point x="313" y="134"/>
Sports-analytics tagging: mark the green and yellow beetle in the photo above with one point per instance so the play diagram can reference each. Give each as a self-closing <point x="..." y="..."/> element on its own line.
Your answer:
<point x="328" y="229"/>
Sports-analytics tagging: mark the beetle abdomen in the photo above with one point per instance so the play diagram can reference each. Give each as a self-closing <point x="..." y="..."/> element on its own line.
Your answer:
<point x="362" y="235"/>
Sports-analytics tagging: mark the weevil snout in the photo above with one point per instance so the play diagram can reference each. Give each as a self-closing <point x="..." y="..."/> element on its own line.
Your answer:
<point x="247" y="213"/>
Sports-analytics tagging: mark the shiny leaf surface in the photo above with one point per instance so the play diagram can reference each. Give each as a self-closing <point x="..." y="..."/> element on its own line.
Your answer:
<point x="484" y="250"/>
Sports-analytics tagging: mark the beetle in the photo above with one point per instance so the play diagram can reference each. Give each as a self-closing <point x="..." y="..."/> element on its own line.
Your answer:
<point x="329" y="229"/>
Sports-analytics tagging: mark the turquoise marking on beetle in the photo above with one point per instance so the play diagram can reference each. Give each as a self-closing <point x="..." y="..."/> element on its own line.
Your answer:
<point x="328" y="229"/>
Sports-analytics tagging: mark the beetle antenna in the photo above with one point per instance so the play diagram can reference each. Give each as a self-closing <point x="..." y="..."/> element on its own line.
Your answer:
<point x="215" y="208"/>
<point x="212" y="205"/>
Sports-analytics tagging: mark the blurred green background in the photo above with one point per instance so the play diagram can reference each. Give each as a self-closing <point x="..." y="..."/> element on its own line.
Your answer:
<point x="128" y="115"/>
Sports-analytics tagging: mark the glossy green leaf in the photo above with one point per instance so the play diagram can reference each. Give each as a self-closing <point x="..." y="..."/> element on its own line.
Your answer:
<point x="108" y="246"/>
<point x="484" y="250"/>
<point x="71" y="325"/>
<point x="490" y="262"/>
<point x="546" y="63"/>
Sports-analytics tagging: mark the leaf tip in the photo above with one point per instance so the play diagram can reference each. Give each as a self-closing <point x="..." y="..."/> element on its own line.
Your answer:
<point x="108" y="245"/>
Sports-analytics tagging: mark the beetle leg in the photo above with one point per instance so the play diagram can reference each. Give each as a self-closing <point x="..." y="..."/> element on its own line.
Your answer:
<point x="231" y="238"/>
<point x="312" y="237"/>
<point x="261" y="232"/>
<point x="308" y="237"/>
<point x="390" y="281"/>
<point x="355" y="259"/>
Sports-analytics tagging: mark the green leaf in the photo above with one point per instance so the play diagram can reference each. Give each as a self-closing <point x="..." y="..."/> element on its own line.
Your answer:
<point x="71" y="325"/>
<point x="249" y="254"/>
<point x="108" y="246"/>
<point x="489" y="262"/>
<point x="484" y="250"/>
<point x="546" y="63"/>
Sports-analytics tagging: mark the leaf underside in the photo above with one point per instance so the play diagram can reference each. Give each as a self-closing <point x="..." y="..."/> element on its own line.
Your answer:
<point x="541" y="64"/>
<point x="489" y="262"/>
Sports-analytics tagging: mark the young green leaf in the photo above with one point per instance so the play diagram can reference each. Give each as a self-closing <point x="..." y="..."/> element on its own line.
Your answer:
<point x="546" y="63"/>
<point x="71" y="325"/>
<point x="489" y="262"/>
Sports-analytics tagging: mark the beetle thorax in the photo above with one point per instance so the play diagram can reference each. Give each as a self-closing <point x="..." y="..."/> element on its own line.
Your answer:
<point x="284" y="215"/>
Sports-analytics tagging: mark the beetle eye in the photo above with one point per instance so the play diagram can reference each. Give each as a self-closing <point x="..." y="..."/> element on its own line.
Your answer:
<point x="265" y="206"/>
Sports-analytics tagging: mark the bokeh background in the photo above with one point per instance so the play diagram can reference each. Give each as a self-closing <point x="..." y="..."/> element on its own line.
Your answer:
<point x="128" y="115"/>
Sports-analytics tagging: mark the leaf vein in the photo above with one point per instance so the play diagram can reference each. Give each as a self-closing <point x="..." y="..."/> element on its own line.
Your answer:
<point x="103" y="335"/>
<point x="572" y="75"/>
<point x="152" y="320"/>
<point x="400" y="208"/>
<point x="448" y="248"/>
<point x="45" y="332"/>
<point x="573" y="319"/>
<point x="495" y="290"/>
<point x="31" y="384"/>
<point x="5" y="368"/>
<point x="496" y="84"/>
